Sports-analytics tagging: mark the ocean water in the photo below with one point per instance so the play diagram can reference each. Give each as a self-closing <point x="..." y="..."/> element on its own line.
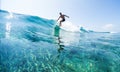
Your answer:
<point x="34" y="44"/>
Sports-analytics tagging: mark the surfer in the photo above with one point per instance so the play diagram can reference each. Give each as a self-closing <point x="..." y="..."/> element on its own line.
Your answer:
<point x="62" y="16"/>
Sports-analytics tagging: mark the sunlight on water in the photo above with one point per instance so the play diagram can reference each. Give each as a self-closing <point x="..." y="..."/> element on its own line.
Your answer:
<point x="69" y="37"/>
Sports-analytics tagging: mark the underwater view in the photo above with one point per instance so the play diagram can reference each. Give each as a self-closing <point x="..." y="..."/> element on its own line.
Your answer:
<point x="34" y="44"/>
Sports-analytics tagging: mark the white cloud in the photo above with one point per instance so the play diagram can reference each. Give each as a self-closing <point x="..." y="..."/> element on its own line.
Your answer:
<point x="108" y="27"/>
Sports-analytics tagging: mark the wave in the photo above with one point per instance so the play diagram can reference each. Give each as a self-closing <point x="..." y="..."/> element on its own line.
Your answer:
<point x="24" y="26"/>
<point x="35" y="44"/>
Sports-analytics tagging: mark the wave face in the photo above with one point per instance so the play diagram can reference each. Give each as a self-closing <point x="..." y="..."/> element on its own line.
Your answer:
<point x="34" y="44"/>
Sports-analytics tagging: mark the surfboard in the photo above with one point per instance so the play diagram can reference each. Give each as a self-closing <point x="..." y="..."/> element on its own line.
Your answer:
<point x="56" y="31"/>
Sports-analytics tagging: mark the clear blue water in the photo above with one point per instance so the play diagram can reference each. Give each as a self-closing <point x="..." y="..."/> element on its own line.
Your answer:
<point x="28" y="44"/>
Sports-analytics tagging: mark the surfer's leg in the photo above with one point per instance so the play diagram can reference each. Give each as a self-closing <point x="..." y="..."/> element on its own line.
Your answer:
<point x="60" y="23"/>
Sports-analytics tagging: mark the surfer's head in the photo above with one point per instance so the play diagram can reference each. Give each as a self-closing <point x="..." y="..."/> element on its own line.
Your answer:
<point x="60" y="13"/>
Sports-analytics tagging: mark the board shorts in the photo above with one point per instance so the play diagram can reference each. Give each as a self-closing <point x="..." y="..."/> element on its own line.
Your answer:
<point x="62" y="20"/>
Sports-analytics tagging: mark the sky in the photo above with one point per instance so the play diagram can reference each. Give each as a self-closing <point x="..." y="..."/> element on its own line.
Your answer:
<point x="97" y="15"/>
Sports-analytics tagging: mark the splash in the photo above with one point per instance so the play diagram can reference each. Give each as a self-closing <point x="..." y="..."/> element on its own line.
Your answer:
<point x="8" y="24"/>
<point x="68" y="26"/>
<point x="8" y="28"/>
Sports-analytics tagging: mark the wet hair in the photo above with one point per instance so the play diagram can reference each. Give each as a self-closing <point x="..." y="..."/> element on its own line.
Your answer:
<point x="60" y="13"/>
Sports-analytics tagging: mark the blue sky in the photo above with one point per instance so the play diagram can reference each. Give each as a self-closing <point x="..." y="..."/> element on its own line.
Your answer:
<point x="98" y="15"/>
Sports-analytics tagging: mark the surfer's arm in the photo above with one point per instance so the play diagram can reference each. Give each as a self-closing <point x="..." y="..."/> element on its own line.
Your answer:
<point x="58" y="18"/>
<point x="66" y="16"/>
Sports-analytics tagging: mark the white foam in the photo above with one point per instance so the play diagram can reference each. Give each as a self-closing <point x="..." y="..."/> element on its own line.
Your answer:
<point x="113" y="32"/>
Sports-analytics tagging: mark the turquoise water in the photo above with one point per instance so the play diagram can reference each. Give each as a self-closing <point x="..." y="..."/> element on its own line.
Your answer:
<point x="29" y="44"/>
